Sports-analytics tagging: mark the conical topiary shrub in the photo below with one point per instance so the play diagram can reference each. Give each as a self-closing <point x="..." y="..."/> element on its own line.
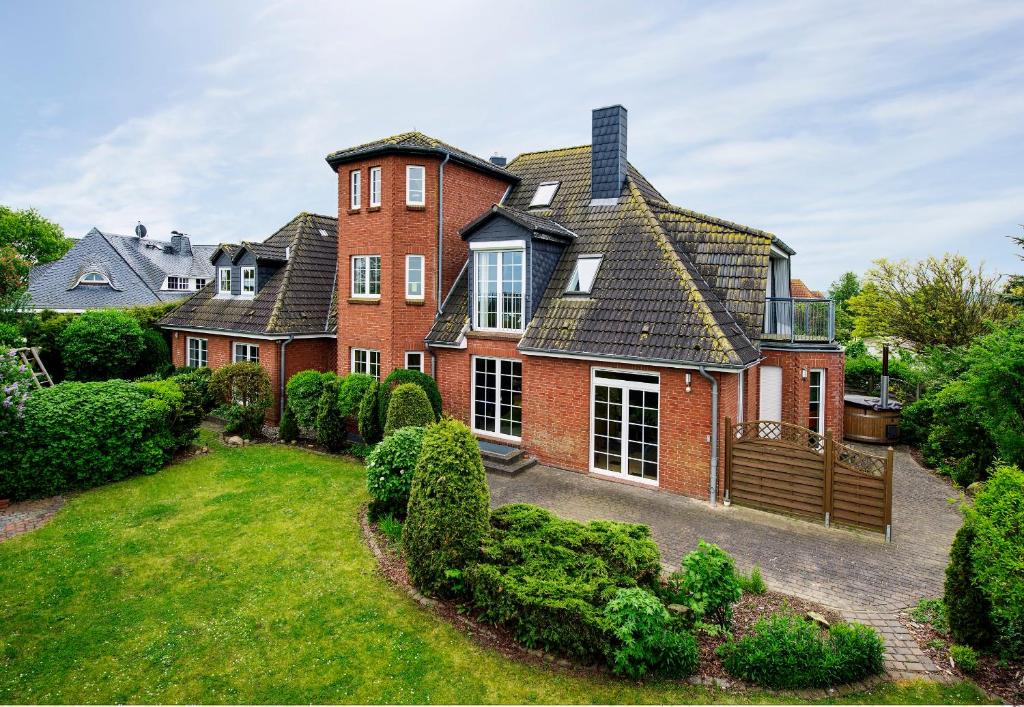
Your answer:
<point x="289" y="430"/>
<point x="409" y="407"/>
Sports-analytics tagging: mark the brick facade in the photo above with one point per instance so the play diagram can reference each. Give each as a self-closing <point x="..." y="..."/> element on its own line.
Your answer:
<point x="796" y="389"/>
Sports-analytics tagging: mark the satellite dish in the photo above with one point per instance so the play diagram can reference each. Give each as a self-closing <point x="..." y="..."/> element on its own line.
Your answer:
<point x="140" y="230"/>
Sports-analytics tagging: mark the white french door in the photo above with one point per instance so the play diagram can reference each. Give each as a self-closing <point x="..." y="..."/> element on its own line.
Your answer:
<point x="624" y="424"/>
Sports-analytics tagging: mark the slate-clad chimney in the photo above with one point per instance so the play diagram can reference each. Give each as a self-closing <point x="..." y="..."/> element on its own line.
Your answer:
<point x="180" y="244"/>
<point x="499" y="160"/>
<point x="608" y="152"/>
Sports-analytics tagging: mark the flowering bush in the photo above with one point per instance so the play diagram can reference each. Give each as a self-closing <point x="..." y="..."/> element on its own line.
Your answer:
<point x="15" y="386"/>
<point x="389" y="470"/>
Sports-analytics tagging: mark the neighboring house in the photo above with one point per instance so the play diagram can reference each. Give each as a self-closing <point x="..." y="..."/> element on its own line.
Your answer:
<point x="799" y="289"/>
<point x="108" y="270"/>
<point x="269" y="302"/>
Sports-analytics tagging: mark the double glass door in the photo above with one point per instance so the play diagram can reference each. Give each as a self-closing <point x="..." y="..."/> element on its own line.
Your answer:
<point x="625" y="424"/>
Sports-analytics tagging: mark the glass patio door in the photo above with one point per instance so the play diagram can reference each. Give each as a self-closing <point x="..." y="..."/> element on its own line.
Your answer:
<point x="625" y="424"/>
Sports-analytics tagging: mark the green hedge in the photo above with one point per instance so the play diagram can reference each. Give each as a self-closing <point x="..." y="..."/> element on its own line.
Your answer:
<point x="400" y="376"/>
<point x="304" y="390"/>
<point x="966" y="606"/>
<point x="330" y="423"/>
<point x="352" y="389"/>
<point x="371" y="429"/>
<point x="409" y="407"/>
<point x="101" y="345"/>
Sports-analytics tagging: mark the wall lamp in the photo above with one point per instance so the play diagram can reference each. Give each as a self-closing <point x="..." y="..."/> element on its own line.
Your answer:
<point x="689" y="378"/>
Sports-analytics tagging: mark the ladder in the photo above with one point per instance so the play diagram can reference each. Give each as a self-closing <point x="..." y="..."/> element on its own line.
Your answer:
<point x="30" y="357"/>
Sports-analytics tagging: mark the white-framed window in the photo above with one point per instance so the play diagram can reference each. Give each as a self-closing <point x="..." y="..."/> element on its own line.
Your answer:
<point x="498" y="397"/>
<point x="499" y="283"/>
<point x="177" y="283"/>
<point x="414" y="276"/>
<point x="94" y="277"/>
<point x="355" y="178"/>
<point x="374" y="186"/>
<point x="196" y="349"/>
<point x="249" y="280"/>
<point x="414" y="360"/>
<point x="200" y="283"/>
<point x="581" y="281"/>
<point x="816" y="398"/>
<point x="224" y="281"/>
<point x="366" y="361"/>
<point x="545" y="194"/>
<point x="246" y="352"/>
<point x="415" y="185"/>
<point x="624" y="411"/>
<point x="366" y="276"/>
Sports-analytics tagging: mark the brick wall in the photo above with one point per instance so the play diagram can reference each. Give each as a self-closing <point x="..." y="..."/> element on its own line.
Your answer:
<point x="796" y="388"/>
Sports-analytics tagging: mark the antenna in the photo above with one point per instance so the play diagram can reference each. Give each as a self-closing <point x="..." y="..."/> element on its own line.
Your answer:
<point x="140" y="230"/>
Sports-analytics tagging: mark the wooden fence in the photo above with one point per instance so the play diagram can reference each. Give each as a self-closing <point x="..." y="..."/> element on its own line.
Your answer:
<point x="776" y="466"/>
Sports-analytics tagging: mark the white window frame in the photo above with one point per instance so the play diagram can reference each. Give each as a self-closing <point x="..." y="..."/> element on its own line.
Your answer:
<point x="574" y="275"/>
<point x="221" y="281"/>
<point x="536" y="201"/>
<point x="626" y="386"/>
<point x="247" y="356"/>
<point x="102" y="281"/>
<point x="366" y="281"/>
<point x="821" y="399"/>
<point x="203" y="352"/>
<point x="375" y="186"/>
<point x="355" y="188"/>
<point x="501" y="248"/>
<point x="368" y="368"/>
<point x="248" y="272"/>
<point x="496" y="434"/>
<point x="414" y="353"/>
<point x="409" y="169"/>
<point x="199" y="283"/>
<point x="180" y="283"/>
<point x="409" y="259"/>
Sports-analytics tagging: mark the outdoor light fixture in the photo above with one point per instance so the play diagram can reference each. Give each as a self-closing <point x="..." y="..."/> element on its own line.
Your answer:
<point x="688" y="379"/>
<point x="803" y="373"/>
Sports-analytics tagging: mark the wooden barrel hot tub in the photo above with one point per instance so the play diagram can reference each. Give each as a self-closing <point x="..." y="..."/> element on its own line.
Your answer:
<point x="865" y="420"/>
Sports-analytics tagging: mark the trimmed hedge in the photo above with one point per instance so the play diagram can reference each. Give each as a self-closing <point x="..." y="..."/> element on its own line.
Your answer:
<point x="400" y="376"/>
<point x="370" y="427"/>
<point x="304" y="390"/>
<point x="100" y="345"/>
<point x="351" y="391"/>
<point x="330" y="423"/>
<point x="409" y="407"/>
<point x="448" y="509"/>
<point x="389" y="471"/>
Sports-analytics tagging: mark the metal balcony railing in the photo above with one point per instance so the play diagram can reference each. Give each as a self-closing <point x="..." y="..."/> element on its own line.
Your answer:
<point x="799" y="320"/>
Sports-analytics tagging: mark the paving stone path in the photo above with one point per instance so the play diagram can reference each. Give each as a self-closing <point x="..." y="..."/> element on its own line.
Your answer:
<point x="19" y="518"/>
<point x="858" y="574"/>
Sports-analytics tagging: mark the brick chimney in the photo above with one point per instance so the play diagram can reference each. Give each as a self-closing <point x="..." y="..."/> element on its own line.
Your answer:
<point x="608" y="153"/>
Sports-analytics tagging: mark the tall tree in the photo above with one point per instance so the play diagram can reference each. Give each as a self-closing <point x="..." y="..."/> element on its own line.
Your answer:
<point x="26" y="239"/>
<point x="934" y="302"/>
<point x="1014" y="293"/>
<point x="847" y="286"/>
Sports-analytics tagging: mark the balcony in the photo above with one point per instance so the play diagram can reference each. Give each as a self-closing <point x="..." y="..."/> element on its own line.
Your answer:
<point x="799" y="320"/>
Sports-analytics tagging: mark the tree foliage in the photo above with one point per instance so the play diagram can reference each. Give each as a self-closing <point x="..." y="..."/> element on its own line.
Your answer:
<point x="26" y="239"/>
<point x="841" y="291"/>
<point x="1014" y="293"/>
<point x="100" y="345"/>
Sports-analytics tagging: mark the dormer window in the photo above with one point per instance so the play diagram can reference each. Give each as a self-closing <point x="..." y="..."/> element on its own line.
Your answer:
<point x="93" y="277"/>
<point x="499" y="285"/>
<point x="581" y="282"/>
<point x="545" y="194"/>
<point x="224" y="281"/>
<point x="249" y="281"/>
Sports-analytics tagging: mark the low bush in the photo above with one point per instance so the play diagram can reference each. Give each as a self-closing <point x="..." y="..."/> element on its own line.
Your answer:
<point x="964" y="657"/>
<point x="706" y="583"/>
<point x="100" y="345"/>
<point x="548" y="579"/>
<point x="330" y="423"/>
<point x="243" y="389"/>
<point x="785" y="651"/>
<point x="754" y="584"/>
<point x="448" y="507"/>
<point x="352" y="390"/>
<point x="409" y="407"/>
<point x="933" y="612"/>
<point x="289" y="429"/>
<point x="10" y="336"/>
<point x="370" y="427"/>
<point x="186" y="411"/>
<point x="400" y="376"/>
<point x="966" y="607"/>
<point x="643" y="638"/>
<point x="304" y="390"/>
<point x="389" y="470"/>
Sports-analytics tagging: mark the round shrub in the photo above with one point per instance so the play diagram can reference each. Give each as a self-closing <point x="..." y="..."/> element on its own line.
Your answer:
<point x="304" y="390"/>
<point x="448" y="508"/>
<point x="389" y="470"/>
<point x="186" y="411"/>
<point x="155" y="357"/>
<point x="289" y="429"/>
<point x="195" y="383"/>
<point x="330" y="423"/>
<point x="100" y="345"/>
<point x="370" y="427"/>
<point x="409" y="407"/>
<point x="644" y="641"/>
<point x="787" y="652"/>
<point x="400" y="376"/>
<point x="352" y="389"/>
<point x="965" y="657"/>
<point x="243" y="389"/>
<point x="706" y="583"/>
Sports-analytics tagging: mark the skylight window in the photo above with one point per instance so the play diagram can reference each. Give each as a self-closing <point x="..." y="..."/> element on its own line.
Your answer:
<point x="545" y="194"/>
<point x="581" y="282"/>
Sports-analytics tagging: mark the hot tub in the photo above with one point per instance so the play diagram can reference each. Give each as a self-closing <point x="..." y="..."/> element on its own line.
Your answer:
<point x="865" y="419"/>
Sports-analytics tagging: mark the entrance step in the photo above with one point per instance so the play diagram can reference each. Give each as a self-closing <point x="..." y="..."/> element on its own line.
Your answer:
<point x="502" y="459"/>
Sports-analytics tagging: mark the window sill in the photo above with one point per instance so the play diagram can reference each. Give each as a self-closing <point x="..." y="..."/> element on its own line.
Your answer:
<point x="373" y="208"/>
<point x="416" y="207"/>
<point x="354" y="211"/>
<point x="415" y="301"/>
<point x="495" y="335"/>
<point x="364" y="300"/>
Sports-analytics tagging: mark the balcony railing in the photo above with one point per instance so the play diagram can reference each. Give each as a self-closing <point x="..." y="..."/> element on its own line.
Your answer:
<point x="799" y="320"/>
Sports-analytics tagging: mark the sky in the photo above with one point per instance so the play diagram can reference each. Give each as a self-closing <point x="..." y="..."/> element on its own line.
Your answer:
<point x="852" y="131"/>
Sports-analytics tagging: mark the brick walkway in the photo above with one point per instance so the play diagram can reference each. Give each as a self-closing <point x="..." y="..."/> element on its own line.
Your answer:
<point x="857" y="574"/>
<point x="22" y="517"/>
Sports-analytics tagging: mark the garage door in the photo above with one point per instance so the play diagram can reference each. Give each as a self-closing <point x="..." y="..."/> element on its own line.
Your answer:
<point x="771" y="393"/>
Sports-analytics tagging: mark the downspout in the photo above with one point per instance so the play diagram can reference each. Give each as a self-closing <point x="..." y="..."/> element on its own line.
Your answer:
<point x="440" y="226"/>
<point x="284" y="345"/>
<point x="714" y="434"/>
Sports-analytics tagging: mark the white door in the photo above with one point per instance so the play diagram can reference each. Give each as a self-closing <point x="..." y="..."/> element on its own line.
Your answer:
<point x="771" y="393"/>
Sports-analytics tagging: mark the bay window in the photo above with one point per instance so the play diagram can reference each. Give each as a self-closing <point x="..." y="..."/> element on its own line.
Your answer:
<point x="499" y="283"/>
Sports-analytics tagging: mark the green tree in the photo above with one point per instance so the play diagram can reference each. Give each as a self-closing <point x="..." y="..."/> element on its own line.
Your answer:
<point x="100" y="345"/>
<point x="1014" y="293"/>
<point x="847" y="286"/>
<point x="26" y="239"/>
<point x="934" y="302"/>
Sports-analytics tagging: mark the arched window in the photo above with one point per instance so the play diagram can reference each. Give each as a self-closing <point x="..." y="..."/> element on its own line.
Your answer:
<point x="94" y="277"/>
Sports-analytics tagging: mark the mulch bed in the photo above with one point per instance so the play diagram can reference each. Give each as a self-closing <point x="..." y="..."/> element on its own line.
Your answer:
<point x="1005" y="681"/>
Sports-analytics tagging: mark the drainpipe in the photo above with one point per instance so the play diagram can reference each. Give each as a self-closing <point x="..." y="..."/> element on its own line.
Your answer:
<point x="440" y="226"/>
<point x="714" y="434"/>
<point x="280" y="405"/>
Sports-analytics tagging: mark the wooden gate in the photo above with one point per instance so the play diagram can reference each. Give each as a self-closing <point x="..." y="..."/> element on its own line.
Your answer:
<point x="784" y="468"/>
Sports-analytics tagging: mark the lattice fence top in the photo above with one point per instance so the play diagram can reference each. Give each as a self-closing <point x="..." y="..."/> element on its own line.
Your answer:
<point x="780" y="432"/>
<point x="859" y="461"/>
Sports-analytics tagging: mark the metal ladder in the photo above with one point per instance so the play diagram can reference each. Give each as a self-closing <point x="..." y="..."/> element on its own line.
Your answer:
<point x="30" y="357"/>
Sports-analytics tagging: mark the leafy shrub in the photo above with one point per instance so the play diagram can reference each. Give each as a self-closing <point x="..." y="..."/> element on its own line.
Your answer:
<point x="409" y="407"/>
<point x="706" y="583"/>
<point x="548" y="579"/>
<point x="754" y="584"/>
<point x="330" y="424"/>
<point x="79" y="435"/>
<point x="957" y="443"/>
<point x="195" y="383"/>
<point x="44" y="331"/>
<point x="967" y="607"/>
<point x="448" y="506"/>
<point x="10" y="336"/>
<point x="389" y="471"/>
<point x="155" y="357"/>
<point x="289" y="430"/>
<point x="916" y="421"/>
<point x="100" y="345"/>
<point x="785" y="652"/>
<point x="998" y="556"/>
<point x="360" y="450"/>
<point x="965" y="657"/>
<point x="352" y="390"/>
<point x="931" y="611"/>
<point x="644" y="641"/>
<point x="304" y="390"/>
<point x="400" y="376"/>
<point x="244" y="391"/>
<point x="392" y="528"/>
<point x="186" y="411"/>
<point x="370" y="427"/>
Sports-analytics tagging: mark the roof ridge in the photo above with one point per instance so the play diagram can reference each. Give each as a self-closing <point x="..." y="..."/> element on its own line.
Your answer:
<point x="131" y="265"/>
<point x="293" y="249"/>
<point x="669" y="206"/>
<point x="545" y="152"/>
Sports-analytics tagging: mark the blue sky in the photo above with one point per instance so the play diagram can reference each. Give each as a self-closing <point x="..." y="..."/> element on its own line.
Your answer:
<point x="851" y="130"/>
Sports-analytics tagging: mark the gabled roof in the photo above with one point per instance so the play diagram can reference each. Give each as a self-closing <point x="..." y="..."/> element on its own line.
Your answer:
<point x="416" y="143"/>
<point x="797" y="288"/>
<point x="297" y="299"/>
<point x="531" y="222"/>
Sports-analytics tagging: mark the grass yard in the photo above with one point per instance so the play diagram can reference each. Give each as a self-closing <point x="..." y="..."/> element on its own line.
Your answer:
<point x="240" y="576"/>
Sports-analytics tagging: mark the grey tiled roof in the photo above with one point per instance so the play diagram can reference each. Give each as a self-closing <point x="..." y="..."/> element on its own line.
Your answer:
<point x="415" y="142"/>
<point x="297" y="299"/>
<point x="451" y="323"/>
<point x="529" y="221"/>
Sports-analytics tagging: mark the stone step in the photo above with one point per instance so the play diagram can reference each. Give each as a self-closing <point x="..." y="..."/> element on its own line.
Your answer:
<point x="509" y="468"/>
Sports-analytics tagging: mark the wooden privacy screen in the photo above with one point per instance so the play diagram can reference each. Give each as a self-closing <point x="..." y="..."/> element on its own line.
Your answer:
<point x="776" y="466"/>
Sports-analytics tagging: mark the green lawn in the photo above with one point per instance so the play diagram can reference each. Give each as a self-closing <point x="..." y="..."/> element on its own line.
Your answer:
<point x="240" y="576"/>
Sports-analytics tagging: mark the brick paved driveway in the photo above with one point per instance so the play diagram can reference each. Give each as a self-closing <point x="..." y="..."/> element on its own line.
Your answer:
<point x="858" y="574"/>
